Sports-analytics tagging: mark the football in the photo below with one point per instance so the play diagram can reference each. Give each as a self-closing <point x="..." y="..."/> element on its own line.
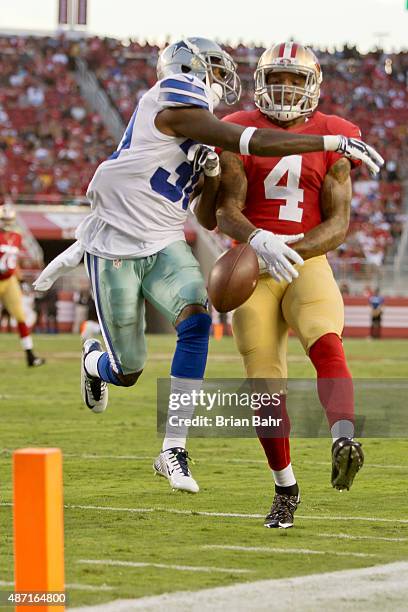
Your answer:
<point x="233" y="278"/>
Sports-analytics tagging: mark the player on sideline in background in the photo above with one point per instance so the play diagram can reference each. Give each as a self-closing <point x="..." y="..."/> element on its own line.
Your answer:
<point x="309" y="194"/>
<point x="377" y="310"/>
<point x="10" y="293"/>
<point x="134" y="241"/>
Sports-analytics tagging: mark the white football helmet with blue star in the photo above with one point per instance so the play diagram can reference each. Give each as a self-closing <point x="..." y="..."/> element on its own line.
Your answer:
<point x="206" y="60"/>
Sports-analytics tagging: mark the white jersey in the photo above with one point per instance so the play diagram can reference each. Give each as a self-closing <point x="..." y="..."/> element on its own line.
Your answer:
<point x="140" y="195"/>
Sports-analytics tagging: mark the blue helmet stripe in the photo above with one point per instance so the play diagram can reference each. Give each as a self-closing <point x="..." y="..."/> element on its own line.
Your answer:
<point x="182" y="99"/>
<point x="182" y="85"/>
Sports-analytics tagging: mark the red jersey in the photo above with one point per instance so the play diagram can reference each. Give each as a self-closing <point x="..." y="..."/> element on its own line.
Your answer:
<point x="10" y="244"/>
<point x="284" y="192"/>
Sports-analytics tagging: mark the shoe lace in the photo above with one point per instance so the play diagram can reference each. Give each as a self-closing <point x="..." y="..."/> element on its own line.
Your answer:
<point x="95" y="387"/>
<point x="178" y="462"/>
<point x="283" y="507"/>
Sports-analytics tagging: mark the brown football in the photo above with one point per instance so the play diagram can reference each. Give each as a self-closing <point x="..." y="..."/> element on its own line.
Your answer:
<point x="233" y="278"/>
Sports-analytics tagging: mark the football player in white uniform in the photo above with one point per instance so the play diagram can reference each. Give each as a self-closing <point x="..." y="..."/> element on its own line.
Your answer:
<point x="134" y="242"/>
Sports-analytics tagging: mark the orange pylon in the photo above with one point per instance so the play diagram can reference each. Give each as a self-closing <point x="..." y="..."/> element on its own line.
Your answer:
<point x="38" y="524"/>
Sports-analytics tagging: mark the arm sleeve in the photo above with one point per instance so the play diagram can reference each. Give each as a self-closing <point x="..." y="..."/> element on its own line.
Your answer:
<point x="337" y="125"/>
<point x="183" y="90"/>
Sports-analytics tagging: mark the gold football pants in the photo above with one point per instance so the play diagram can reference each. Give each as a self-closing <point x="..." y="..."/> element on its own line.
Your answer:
<point x="12" y="298"/>
<point x="311" y="306"/>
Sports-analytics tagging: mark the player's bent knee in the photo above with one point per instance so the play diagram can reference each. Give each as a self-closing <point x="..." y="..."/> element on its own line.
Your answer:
<point x="189" y="311"/>
<point x="318" y="334"/>
<point x="128" y="380"/>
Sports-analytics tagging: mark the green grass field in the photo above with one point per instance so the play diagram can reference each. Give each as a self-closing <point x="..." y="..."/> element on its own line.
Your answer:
<point x="107" y="464"/>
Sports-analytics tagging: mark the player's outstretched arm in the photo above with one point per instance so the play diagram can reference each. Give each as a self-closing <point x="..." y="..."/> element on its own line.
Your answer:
<point x="335" y="202"/>
<point x="202" y="126"/>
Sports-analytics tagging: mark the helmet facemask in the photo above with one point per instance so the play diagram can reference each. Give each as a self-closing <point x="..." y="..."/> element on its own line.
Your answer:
<point x="287" y="102"/>
<point x="208" y="62"/>
<point x="222" y="77"/>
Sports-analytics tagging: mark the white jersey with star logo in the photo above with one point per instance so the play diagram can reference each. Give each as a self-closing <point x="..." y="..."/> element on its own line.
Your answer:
<point x="139" y="196"/>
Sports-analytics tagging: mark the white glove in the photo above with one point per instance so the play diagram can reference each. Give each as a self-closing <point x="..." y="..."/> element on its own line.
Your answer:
<point x="355" y="149"/>
<point x="63" y="263"/>
<point x="276" y="254"/>
<point x="204" y="158"/>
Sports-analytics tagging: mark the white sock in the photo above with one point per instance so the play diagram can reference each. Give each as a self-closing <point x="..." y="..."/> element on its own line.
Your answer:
<point x="91" y="363"/>
<point x="27" y="343"/>
<point x="176" y="435"/>
<point x="342" y="429"/>
<point x="285" y="477"/>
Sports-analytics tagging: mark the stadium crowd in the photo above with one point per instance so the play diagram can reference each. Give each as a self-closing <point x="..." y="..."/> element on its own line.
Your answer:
<point x="51" y="141"/>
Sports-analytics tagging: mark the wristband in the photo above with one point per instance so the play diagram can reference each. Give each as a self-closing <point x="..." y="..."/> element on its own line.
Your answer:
<point x="245" y="139"/>
<point x="253" y="234"/>
<point x="331" y="143"/>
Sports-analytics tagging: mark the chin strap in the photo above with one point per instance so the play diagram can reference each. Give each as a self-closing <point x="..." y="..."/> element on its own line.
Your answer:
<point x="216" y="91"/>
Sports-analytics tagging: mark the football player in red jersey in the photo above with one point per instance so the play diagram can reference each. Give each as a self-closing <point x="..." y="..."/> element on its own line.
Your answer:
<point x="263" y="200"/>
<point x="10" y="292"/>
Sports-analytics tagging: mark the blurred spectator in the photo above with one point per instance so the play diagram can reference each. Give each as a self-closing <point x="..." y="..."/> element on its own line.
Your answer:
<point x="50" y="141"/>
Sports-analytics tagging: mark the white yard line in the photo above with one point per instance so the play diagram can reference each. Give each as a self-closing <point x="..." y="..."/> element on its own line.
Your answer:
<point x="316" y="517"/>
<point x="116" y="457"/>
<point x="226" y="460"/>
<point x="182" y="568"/>
<point x="74" y="586"/>
<point x="111" y="508"/>
<point x="167" y="510"/>
<point x="366" y="465"/>
<point x="346" y="536"/>
<point x="89" y="587"/>
<point x="351" y="518"/>
<point x="291" y="551"/>
<point x="235" y="514"/>
<point x="383" y="588"/>
<point x="95" y="457"/>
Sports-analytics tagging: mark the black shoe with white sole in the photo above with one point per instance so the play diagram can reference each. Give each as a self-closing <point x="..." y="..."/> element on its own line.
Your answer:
<point x="94" y="391"/>
<point x="282" y="511"/>
<point x="32" y="360"/>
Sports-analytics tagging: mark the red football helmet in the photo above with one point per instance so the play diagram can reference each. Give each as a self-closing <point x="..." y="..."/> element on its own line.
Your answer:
<point x="286" y="102"/>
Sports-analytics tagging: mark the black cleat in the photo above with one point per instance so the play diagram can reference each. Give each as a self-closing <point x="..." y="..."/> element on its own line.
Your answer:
<point x="347" y="460"/>
<point x="94" y="391"/>
<point x="33" y="361"/>
<point x="282" y="511"/>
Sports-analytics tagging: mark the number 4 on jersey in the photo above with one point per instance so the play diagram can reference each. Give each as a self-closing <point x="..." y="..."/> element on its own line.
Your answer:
<point x="291" y="193"/>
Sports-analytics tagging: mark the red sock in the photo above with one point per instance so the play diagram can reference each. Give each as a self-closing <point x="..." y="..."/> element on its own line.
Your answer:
<point x="23" y="330"/>
<point x="277" y="450"/>
<point x="334" y="382"/>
